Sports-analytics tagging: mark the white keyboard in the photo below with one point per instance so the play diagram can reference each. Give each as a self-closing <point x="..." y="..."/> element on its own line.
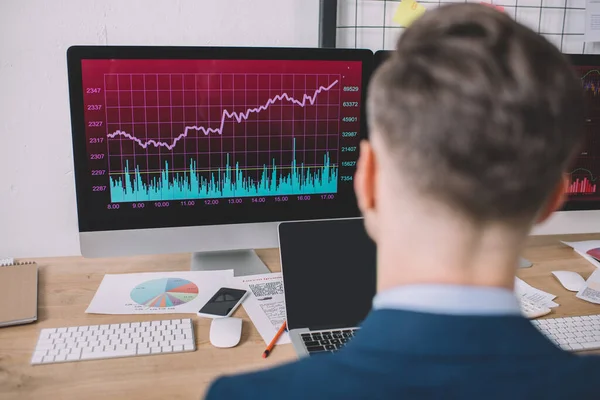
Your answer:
<point x="572" y="333"/>
<point x="94" y="342"/>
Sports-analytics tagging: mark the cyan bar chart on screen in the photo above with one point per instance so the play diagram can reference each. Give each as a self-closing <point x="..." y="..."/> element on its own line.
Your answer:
<point x="165" y="130"/>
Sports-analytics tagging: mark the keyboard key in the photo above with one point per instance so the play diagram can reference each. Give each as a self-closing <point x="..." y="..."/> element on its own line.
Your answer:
<point x="330" y="347"/>
<point x="313" y="349"/>
<point x="307" y="338"/>
<point x="324" y="342"/>
<point x="37" y="357"/>
<point x="591" y="345"/>
<point x="335" y="341"/>
<point x="312" y="343"/>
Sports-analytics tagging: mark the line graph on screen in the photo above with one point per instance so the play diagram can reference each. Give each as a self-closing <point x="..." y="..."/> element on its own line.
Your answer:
<point x="210" y="136"/>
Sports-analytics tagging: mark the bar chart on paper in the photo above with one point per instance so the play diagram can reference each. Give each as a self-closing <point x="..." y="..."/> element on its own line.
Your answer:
<point x="208" y="135"/>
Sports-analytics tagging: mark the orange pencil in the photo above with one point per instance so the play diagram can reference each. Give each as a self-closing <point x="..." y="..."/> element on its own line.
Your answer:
<point x="275" y="338"/>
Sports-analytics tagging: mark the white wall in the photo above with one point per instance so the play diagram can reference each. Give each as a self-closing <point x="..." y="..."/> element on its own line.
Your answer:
<point x="37" y="197"/>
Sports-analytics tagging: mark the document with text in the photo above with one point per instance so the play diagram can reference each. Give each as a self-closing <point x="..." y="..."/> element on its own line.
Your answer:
<point x="265" y="304"/>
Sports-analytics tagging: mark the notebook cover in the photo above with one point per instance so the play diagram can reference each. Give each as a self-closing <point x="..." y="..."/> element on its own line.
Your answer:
<point x="18" y="294"/>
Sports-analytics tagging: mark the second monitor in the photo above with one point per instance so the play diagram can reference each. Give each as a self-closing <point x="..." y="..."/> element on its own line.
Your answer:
<point x="182" y="149"/>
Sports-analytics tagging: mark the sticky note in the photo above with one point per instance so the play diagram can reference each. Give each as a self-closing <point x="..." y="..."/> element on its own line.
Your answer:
<point x="407" y="12"/>
<point x="499" y="8"/>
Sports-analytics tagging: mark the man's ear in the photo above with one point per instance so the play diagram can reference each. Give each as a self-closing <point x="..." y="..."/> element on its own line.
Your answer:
<point x="365" y="178"/>
<point x="557" y="198"/>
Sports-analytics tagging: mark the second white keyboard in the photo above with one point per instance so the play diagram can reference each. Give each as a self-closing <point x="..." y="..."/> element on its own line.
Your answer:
<point x="94" y="342"/>
<point x="572" y="333"/>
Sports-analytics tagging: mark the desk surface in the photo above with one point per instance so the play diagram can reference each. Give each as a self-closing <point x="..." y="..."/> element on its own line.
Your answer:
<point x="67" y="285"/>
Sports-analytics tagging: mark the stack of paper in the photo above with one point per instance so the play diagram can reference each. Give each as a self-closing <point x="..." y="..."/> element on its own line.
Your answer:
<point x="591" y="290"/>
<point x="157" y="292"/>
<point x="265" y="304"/>
<point x="590" y="250"/>
<point x="537" y="296"/>
<point x="587" y="249"/>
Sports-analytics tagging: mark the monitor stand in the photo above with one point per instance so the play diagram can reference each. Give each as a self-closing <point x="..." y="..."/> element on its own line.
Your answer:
<point x="524" y="263"/>
<point x="243" y="262"/>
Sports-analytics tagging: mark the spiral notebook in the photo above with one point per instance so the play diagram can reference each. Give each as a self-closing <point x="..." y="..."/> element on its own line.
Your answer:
<point x="18" y="292"/>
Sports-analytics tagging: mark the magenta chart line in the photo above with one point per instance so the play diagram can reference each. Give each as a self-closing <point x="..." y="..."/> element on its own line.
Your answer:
<point x="238" y="117"/>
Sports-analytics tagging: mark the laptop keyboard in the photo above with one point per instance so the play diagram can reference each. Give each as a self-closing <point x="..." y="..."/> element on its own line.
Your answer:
<point x="327" y="341"/>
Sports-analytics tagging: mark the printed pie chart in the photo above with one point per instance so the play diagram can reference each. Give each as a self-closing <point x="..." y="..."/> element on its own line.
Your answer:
<point x="165" y="292"/>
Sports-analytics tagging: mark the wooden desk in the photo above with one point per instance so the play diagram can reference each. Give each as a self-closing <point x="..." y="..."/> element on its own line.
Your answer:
<point x="67" y="285"/>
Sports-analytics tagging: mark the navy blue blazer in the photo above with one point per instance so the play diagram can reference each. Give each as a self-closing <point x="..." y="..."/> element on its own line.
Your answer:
<point x="410" y="355"/>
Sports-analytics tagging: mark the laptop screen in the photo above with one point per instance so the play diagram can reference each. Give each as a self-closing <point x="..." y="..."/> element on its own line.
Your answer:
<point x="329" y="273"/>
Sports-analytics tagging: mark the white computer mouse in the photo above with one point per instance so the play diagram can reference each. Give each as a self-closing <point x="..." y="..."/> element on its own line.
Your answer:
<point x="570" y="280"/>
<point x="225" y="332"/>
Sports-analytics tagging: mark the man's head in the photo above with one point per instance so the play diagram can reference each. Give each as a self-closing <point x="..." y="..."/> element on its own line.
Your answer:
<point x="473" y="113"/>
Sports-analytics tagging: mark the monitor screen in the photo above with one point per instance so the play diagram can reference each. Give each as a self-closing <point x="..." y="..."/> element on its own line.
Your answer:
<point x="331" y="285"/>
<point x="216" y="136"/>
<point x="584" y="189"/>
<point x="583" y="192"/>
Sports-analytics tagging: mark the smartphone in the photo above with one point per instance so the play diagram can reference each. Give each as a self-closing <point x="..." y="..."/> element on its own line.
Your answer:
<point x="223" y="303"/>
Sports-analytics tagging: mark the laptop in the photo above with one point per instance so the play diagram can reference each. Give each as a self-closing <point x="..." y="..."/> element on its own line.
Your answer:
<point x="329" y="279"/>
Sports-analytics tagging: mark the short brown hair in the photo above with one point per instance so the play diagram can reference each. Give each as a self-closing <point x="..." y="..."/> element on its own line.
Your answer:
<point x="479" y="111"/>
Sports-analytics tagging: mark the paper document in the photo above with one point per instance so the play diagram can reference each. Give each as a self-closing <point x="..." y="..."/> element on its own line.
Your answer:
<point x="591" y="290"/>
<point x="265" y="304"/>
<point x="157" y="292"/>
<point x="537" y="296"/>
<point x="582" y="248"/>
<point x="592" y="21"/>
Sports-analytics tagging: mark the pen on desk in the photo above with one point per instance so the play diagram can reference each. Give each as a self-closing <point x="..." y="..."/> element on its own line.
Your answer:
<point x="275" y="338"/>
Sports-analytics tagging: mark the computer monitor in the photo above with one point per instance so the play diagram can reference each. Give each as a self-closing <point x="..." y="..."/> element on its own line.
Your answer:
<point x="581" y="212"/>
<point x="206" y="149"/>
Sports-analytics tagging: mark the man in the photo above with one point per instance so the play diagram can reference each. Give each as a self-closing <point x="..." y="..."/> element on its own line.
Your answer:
<point x="472" y="122"/>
